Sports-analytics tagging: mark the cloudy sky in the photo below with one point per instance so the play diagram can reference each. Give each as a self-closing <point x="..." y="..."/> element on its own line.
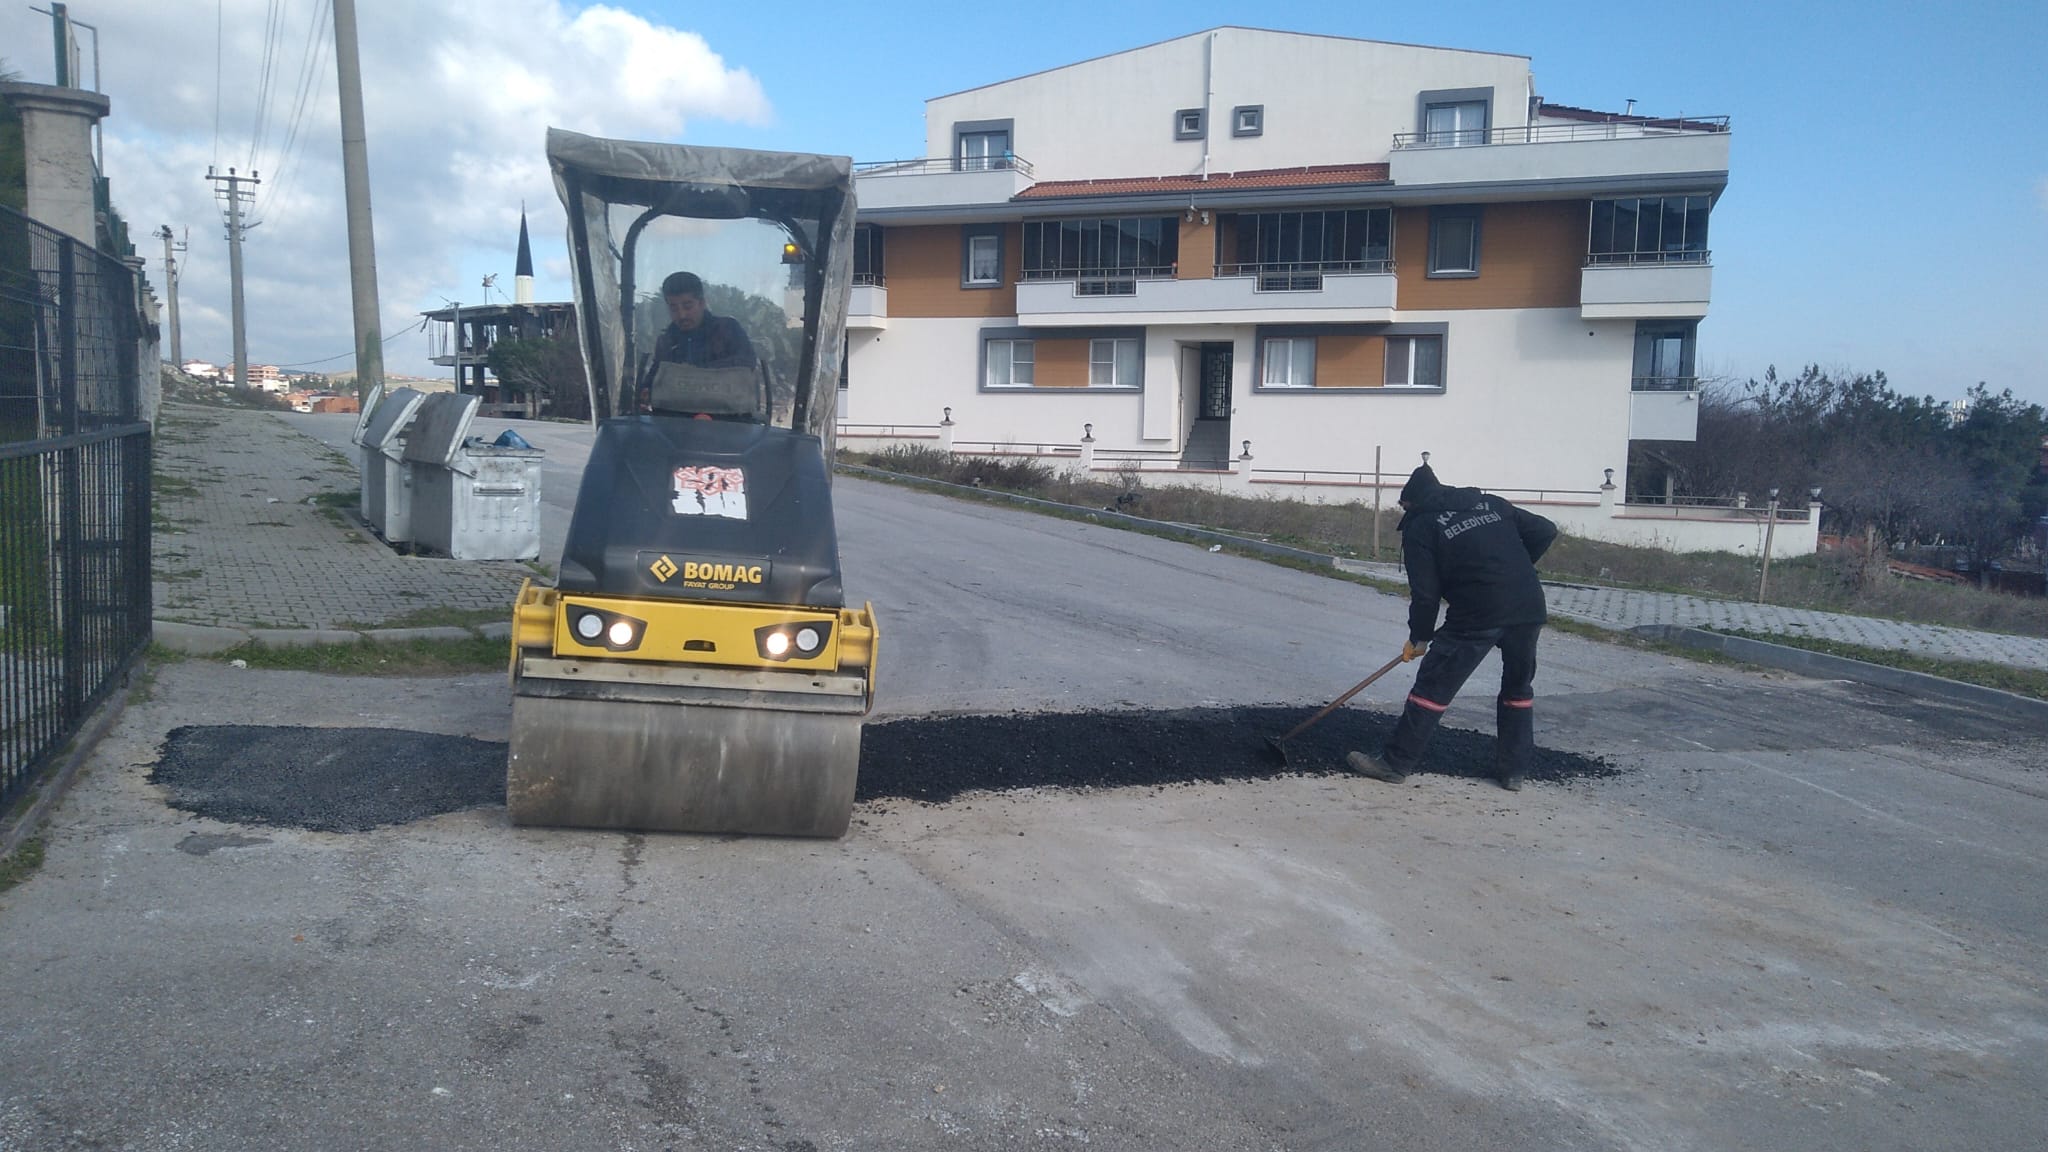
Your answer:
<point x="1887" y="207"/>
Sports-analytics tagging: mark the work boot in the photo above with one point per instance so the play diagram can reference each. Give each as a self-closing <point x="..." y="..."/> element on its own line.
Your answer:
<point x="1512" y="781"/>
<point x="1374" y="768"/>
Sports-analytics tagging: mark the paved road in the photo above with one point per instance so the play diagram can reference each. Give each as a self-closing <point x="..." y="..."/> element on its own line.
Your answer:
<point x="1807" y="917"/>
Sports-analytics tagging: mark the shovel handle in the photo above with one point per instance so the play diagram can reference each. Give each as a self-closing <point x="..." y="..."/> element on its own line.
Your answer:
<point x="1333" y="705"/>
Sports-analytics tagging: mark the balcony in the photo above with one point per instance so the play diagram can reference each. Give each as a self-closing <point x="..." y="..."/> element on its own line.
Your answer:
<point x="1664" y="408"/>
<point x="1358" y="292"/>
<point x="1646" y="286"/>
<point x="1634" y="148"/>
<point x="940" y="182"/>
<point x="869" y="305"/>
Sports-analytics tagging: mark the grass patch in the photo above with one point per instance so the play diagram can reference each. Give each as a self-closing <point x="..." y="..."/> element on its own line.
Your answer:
<point x="373" y="658"/>
<point x="22" y="863"/>
<point x="439" y="618"/>
<point x="2019" y="681"/>
<point x="174" y="487"/>
<point x="540" y="568"/>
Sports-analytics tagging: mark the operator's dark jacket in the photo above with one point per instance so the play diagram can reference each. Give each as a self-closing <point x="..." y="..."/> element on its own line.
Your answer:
<point x="716" y="342"/>
<point x="1476" y="551"/>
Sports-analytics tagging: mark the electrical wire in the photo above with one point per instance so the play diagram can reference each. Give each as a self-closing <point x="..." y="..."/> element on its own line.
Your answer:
<point x="266" y="77"/>
<point x="312" y="72"/>
<point x="351" y="352"/>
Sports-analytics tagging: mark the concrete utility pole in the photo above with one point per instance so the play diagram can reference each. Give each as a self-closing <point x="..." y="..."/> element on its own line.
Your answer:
<point x="172" y="247"/>
<point x="355" y="180"/>
<point x="235" y="195"/>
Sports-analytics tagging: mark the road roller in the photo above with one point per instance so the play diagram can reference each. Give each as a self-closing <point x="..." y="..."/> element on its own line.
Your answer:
<point x="695" y="666"/>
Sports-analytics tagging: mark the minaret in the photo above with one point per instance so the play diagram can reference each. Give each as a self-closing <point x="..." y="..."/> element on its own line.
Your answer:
<point x="522" y="273"/>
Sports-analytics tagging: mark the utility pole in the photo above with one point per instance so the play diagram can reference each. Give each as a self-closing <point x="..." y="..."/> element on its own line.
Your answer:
<point x="172" y="247"/>
<point x="229" y="188"/>
<point x="355" y="180"/>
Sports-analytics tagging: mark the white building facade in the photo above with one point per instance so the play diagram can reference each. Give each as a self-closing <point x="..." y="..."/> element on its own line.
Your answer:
<point x="1262" y="256"/>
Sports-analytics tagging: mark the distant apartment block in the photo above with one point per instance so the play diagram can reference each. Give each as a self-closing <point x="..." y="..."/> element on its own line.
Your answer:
<point x="1289" y="248"/>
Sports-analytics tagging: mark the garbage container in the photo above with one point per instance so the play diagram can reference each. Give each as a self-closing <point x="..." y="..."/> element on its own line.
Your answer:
<point x="386" y="481"/>
<point x="471" y="499"/>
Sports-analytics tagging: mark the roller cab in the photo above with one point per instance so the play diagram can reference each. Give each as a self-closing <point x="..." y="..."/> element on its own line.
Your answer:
<point x="695" y="666"/>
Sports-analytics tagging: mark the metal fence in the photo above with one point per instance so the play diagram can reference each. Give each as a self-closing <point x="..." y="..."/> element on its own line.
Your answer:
<point x="74" y="491"/>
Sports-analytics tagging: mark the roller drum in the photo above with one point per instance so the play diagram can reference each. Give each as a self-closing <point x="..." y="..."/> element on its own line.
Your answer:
<point x="681" y="766"/>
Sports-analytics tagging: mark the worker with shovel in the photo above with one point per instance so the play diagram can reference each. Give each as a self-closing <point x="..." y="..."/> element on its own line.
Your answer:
<point x="1478" y="553"/>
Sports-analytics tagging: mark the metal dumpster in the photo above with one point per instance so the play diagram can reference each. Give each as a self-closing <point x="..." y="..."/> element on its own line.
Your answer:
<point x="386" y="480"/>
<point x="471" y="500"/>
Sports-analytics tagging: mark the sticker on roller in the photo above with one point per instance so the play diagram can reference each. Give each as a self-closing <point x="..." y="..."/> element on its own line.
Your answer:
<point x="709" y="491"/>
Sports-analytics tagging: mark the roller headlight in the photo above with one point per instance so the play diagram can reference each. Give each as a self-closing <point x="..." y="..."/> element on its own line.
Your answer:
<point x="612" y="631"/>
<point x="800" y="640"/>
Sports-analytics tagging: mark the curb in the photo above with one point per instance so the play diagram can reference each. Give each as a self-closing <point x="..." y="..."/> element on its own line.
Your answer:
<point x="1821" y="665"/>
<point x="210" y="640"/>
<point x="1120" y="519"/>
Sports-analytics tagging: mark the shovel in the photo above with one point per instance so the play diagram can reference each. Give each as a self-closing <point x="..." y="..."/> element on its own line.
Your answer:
<point x="1277" y="745"/>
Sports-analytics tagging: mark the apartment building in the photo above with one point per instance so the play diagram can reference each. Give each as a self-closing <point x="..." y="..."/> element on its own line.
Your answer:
<point x="1269" y="253"/>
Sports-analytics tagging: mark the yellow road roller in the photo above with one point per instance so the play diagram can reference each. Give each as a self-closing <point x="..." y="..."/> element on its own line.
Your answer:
<point x="695" y="666"/>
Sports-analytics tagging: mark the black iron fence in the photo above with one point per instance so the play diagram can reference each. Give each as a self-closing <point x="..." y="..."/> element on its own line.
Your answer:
<point x="74" y="491"/>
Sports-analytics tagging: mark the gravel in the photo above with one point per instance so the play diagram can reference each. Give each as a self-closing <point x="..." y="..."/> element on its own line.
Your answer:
<point x="355" y="779"/>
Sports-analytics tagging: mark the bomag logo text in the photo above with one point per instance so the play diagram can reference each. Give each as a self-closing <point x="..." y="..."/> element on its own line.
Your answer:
<point x="722" y="573"/>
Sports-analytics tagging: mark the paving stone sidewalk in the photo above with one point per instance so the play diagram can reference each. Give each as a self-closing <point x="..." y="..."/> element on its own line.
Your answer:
<point x="240" y="544"/>
<point x="1621" y="608"/>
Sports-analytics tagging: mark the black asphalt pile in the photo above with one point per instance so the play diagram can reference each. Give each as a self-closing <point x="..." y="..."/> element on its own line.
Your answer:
<point x="327" y="779"/>
<point x="355" y="779"/>
<point x="938" y="758"/>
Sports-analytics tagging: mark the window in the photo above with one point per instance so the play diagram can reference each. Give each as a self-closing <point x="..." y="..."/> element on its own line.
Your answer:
<point x="1248" y="120"/>
<point x="1454" y="123"/>
<point x="1415" y="362"/>
<point x="1350" y="240"/>
<point x="1454" y="242"/>
<point x="1074" y="249"/>
<point x="1113" y="363"/>
<point x="1290" y="362"/>
<point x="1010" y="364"/>
<point x="867" y="254"/>
<point x="1649" y="230"/>
<point x="985" y="151"/>
<point x="1664" y="356"/>
<point x="981" y="256"/>
<point x="1190" y="124"/>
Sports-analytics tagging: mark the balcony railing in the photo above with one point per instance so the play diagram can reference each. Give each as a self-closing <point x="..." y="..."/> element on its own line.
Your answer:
<point x="1664" y="384"/>
<point x="1624" y="259"/>
<point x="1301" y="275"/>
<point x="1619" y="128"/>
<point x="871" y="279"/>
<point x="931" y="165"/>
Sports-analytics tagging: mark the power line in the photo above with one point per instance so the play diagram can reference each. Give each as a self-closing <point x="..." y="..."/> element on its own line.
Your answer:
<point x="219" y="22"/>
<point x="266" y="77"/>
<point x="351" y="352"/>
<point x="312" y="67"/>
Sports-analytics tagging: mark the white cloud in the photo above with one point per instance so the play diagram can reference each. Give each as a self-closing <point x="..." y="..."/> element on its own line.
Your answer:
<point x="457" y="98"/>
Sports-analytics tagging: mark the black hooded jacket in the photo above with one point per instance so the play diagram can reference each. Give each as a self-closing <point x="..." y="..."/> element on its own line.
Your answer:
<point x="1476" y="551"/>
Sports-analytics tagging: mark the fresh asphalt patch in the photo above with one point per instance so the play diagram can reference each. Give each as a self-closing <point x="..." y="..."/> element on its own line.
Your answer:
<point x="355" y="779"/>
<point x="326" y="779"/>
<point x="937" y="758"/>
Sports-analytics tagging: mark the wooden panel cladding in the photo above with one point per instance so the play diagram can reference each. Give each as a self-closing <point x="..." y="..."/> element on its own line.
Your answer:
<point x="924" y="274"/>
<point x="1351" y="361"/>
<point x="1530" y="256"/>
<point x="1197" y="248"/>
<point x="1060" y="363"/>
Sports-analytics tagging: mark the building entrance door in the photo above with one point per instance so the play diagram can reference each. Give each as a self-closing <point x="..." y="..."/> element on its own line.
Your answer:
<point x="1215" y="401"/>
<point x="1208" y="444"/>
